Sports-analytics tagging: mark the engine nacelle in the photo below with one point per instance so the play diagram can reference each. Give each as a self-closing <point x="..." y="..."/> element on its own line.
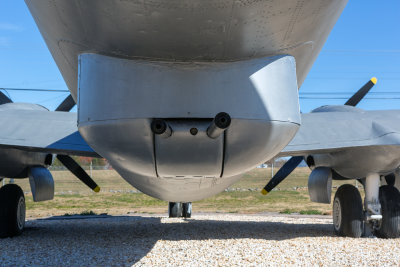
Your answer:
<point x="15" y="163"/>
<point x="320" y="185"/>
<point x="42" y="183"/>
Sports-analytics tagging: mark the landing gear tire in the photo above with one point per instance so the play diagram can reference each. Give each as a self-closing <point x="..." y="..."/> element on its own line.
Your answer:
<point x="12" y="210"/>
<point x="348" y="212"/>
<point x="179" y="209"/>
<point x="389" y="197"/>
<point x="187" y="210"/>
<point x="175" y="209"/>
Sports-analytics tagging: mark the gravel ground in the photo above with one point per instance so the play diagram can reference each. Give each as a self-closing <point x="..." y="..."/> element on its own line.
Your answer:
<point x="206" y="239"/>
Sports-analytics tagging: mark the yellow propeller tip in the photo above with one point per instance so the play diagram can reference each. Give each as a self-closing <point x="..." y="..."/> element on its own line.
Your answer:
<point x="374" y="80"/>
<point x="97" y="189"/>
<point x="264" y="192"/>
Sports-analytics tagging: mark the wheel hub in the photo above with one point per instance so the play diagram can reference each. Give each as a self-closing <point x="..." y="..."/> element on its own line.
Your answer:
<point x="21" y="209"/>
<point x="337" y="214"/>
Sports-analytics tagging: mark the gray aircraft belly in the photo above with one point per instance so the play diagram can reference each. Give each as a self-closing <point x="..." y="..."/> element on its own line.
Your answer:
<point x="185" y="62"/>
<point x="211" y="30"/>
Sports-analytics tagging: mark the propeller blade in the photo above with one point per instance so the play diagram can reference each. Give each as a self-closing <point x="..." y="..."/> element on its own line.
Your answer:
<point x="77" y="170"/>
<point x="4" y="99"/>
<point x="283" y="172"/>
<point x="357" y="97"/>
<point x="67" y="104"/>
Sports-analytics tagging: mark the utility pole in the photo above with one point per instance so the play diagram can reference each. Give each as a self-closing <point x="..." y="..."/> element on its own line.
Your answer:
<point x="91" y="166"/>
<point x="272" y="167"/>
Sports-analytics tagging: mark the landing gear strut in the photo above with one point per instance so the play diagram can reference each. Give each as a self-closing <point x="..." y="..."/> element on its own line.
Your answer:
<point x="372" y="205"/>
<point x="12" y="210"/>
<point x="180" y="210"/>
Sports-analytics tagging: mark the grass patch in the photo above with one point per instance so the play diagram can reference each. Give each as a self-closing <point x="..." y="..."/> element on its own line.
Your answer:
<point x="118" y="197"/>
<point x="286" y="211"/>
<point x="88" y="213"/>
<point x="83" y="213"/>
<point x="311" y="212"/>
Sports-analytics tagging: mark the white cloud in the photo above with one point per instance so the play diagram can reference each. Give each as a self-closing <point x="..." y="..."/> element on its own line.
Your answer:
<point x="4" y="26"/>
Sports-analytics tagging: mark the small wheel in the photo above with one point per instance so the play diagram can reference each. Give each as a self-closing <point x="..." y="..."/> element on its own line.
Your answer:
<point x="389" y="197"/>
<point x="12" y="210"/>
<point x="348" y="212"/>
<point x="187" y="210"/>
<point x="175" y="209"/>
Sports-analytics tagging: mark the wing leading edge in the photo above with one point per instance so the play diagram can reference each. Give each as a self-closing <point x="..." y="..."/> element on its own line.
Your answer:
<point x="330" y="131"/>
<point x="43" y="131"/>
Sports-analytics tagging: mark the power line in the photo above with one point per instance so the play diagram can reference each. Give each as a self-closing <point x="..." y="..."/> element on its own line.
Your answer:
<point x="34" y="90"/>
<point x="339" y="98"/>
<point x="303" y="95"/>
<point x="349" y="78"/>
<point x="301" y="92"/>
<point x="380" y="51"/>
<point x="50" y="99"/>
<point x="347" y="93"/>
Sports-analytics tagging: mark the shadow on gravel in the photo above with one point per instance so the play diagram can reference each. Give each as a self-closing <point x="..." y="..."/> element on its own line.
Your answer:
<point x="124" y="240"/>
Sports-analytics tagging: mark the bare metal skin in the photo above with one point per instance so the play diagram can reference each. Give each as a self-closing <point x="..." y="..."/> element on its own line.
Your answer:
<point x="130" y="62"/>
<point x="210" y="30"/>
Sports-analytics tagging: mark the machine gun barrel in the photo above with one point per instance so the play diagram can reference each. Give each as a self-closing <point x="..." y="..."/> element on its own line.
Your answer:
<point x="221" y="122"/>
<point x="161" y="128"/>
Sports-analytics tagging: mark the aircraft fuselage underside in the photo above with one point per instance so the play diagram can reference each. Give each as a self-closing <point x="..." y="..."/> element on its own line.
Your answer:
<point x="129" y="63"/>
<point x="120" y="98"/>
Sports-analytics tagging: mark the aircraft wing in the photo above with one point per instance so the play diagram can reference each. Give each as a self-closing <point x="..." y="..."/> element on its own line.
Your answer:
<point x="325" y="132"/>
<point x="43" y="131"/>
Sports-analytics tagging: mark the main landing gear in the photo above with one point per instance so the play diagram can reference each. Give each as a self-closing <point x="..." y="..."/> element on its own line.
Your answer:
<point x="348" y="212"/>
<point x="12" y="210"/>
<point x="380" y="214"/>
<point x="180" y="210"/>
<point x="389" y="197"/>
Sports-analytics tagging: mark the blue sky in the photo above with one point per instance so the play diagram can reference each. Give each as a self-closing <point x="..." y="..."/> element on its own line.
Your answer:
<point x="364" y="43"/>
